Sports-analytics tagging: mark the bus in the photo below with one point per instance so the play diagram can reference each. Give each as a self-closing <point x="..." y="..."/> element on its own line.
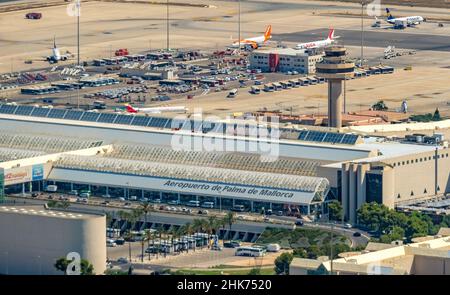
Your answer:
<point x="193" y="203"/>
<point x="250" y="251"/>
<point x="255" y="90"/>
<point x="232" y="93"/>
<point x="208" y="205"/>
<point x="269" y="88"/>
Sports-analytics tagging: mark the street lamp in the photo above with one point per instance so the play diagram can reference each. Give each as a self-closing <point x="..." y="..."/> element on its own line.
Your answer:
<point x="362" y="33"/>
<point x="239" y="25"/>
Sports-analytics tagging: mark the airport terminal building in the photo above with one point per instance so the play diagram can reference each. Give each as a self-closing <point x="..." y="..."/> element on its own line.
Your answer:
<point x="132" y="156"/>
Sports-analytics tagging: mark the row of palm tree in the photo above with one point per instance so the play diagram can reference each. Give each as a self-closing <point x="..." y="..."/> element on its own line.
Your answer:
<point x="210" y="225"/>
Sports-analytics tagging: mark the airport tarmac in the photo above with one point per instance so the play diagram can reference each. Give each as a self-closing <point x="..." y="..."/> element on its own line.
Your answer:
<point x="381" y="38"/>
<point x="106" y="26"/>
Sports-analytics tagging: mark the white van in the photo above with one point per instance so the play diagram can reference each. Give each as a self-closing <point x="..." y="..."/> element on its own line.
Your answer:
<point x="273" y="248"/>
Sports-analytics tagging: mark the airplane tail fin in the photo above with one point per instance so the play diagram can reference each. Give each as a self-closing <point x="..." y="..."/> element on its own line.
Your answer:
<point x="331" y="34"/>
<point x="389" y="14"/>
<point x="130" y="109"/>
<point x="268" y="33"/>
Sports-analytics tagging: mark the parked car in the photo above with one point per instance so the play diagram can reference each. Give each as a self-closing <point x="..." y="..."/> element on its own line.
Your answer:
<point x="120" y="241"/>
<point x="122" y="260"/>
<point x="348" y="225"/>
<point x="232" y="244"/>
<point x="299" y="222"/>
<point x="73" y="193"/>
<point x="106" y="203"/>
<point x="34" y="195"/>
<point x="111" y="243"/>
<point x="273" y="248"/>
<point x="203" y="212"/>
<point x="356" y="234"/>
<point x="121" y="199"/>
<point x="174" y="202"/>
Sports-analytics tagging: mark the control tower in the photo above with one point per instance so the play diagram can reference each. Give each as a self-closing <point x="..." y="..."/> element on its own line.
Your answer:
<point x="335" y="68"/>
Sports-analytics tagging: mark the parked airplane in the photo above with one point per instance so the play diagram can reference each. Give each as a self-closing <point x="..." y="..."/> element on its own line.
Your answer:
<point x="255" y="42"/>
<point x="155" y="110"/>
<point x="318" y="44"/>
<point x="409" y="20"/>
<point x="56" y="54"/>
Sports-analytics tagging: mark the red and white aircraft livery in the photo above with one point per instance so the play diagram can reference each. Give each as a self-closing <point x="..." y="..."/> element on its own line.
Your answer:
<point x="318" y="44"/>
<point x="255" y="42"/>
<point x="156" y="110"/>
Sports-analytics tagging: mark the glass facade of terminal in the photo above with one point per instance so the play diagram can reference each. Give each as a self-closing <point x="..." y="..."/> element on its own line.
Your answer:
<point x="163" y="197"/>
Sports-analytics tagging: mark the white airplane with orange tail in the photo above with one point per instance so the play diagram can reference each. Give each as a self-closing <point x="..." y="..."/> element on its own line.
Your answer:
<point x="318" y="44"/>
<point x="255" y="42"/>
<point x="155" y="110"/>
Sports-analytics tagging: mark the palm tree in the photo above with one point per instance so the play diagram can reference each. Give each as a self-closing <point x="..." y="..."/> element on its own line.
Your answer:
<point x="188" y="228"/>
<point x="131" y="219"/>
<point x="148" y="237"/>
<point x="197" y="225"/>
<point x="146" y="208"/>
<point x="181" y="232"/>
<point x="229" y="219"/>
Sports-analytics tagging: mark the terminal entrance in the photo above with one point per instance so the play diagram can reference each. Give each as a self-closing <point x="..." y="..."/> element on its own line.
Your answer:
<point x="162" y="197"/>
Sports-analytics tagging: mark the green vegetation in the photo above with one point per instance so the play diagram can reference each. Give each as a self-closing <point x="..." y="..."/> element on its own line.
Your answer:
<point x="391" y="225"/>
<point x="58" y="204"/>
<point x="115" y="272"/>
<point x="336" y="211"/>
<point x="427" y="117"/>
<point x="86" y="267"/>
<point x="282" y="263"/>
<point x="306" y="243"/>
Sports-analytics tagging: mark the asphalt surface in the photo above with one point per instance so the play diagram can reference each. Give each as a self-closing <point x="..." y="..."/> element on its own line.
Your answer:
<point x="381" y="39"/>
<point x="240" y="225"/>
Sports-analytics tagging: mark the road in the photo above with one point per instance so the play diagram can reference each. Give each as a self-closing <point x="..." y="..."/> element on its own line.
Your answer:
<point x="240" y="225"/>
<point x="382" y="39"/>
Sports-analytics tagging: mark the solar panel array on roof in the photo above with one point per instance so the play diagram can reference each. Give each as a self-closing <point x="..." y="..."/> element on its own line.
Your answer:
<point x="57" y="113"/>
<point x="107" y="118"/>
<point x="8" y="109"/>
<point x="124" y="119"/>
<point x="24" y="110"/>
<point x="156" y="122"/>
<point x="73" y="115"/>
<point x="40" y="112"/>
<point x="90" y="117"/>
<point x="328" y="137"/>
<point x="141" y="121"/>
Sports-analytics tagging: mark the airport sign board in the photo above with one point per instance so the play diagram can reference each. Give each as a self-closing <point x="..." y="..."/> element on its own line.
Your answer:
<point x="37" y="172"/>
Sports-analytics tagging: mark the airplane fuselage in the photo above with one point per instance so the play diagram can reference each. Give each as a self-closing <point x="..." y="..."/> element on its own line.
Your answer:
<point x="316" y="44"/>
<point x="410" y="20"/>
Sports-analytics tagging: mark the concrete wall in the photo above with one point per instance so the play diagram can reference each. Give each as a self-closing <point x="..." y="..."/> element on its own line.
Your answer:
<point x="405" y="179"/>
<point x="31" y="244"/>
<point x="426" y="265"/>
